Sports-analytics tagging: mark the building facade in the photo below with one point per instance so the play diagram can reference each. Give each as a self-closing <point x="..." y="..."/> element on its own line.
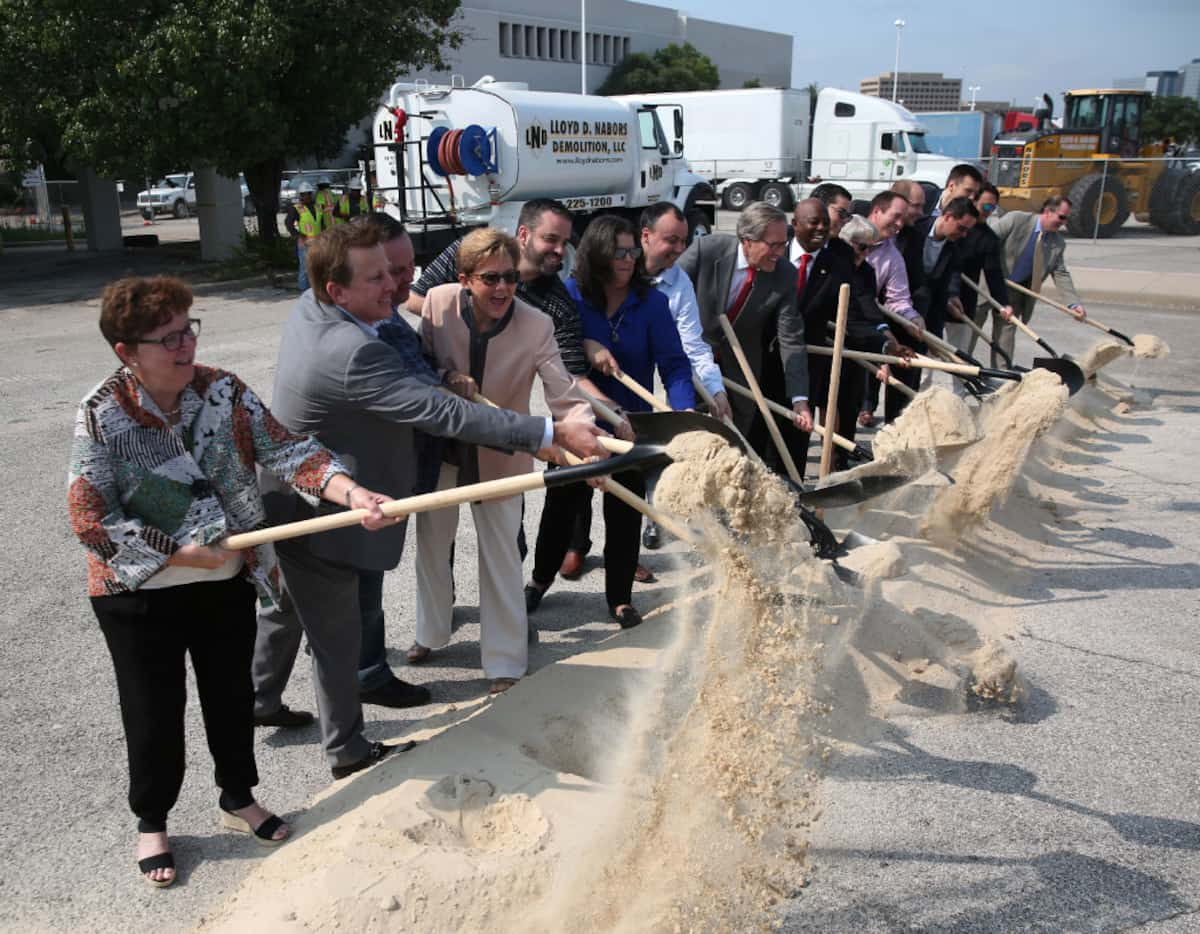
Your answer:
<point x="540" y="42"/>
<point x="918" y="91"/>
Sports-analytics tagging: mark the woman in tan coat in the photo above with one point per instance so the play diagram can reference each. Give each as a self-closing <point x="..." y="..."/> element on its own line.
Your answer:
<point x="486" y="341"/>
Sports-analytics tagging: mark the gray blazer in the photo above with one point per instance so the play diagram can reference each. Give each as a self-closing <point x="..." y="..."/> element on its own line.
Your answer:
<point x="1014" y="228"/>
<point x="709" y="263"/>
<point x="360" y="399"/>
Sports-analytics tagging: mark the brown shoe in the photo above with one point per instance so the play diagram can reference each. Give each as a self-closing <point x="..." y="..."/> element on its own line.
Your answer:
<point x="572" y="566"/>
<point x="866" y="419"/>
<point x="500" y="685"/>
<point x="417" y="653"/>
<point x="643" y="575"/>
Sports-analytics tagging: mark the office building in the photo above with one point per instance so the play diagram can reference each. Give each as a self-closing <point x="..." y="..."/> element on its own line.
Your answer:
<point x="538" y="42"/>
<point x="919" y="91"/>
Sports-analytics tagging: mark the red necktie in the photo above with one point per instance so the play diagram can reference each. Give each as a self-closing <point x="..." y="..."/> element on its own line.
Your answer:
<point x="802" y="277"/>
<point x="740" y="299"/>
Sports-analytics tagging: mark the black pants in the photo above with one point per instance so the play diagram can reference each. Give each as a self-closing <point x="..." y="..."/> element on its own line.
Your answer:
<point x="148" y="633"/>
<point x="850" y="396"/>
<point x="622" y="535"/>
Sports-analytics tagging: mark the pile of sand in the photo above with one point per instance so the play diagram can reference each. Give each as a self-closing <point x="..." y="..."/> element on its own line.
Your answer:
<point x="1011" y="419"/>
<point x="1150" y="347"/>
<point x="935" y="419"/>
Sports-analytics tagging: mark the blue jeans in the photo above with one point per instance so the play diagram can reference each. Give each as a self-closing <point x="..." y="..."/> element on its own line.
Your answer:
<point x="373" y="670"/>
<point x="302" y="276"/>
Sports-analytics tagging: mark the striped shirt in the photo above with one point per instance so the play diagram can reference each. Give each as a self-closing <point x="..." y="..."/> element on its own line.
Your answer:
<point x="546" y="293"/>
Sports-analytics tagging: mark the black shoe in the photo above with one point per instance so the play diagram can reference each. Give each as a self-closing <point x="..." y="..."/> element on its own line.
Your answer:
<point x="651" y="537"/>
<point x="533" y="597"/>
<point x="379" y="751"/>
<point x="396" y="693"/>
<point x="628" y="617"/>
<point x="285" y="718"/>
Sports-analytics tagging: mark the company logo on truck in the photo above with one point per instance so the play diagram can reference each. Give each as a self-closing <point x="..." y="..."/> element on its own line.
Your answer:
<point x="605" y="138"/>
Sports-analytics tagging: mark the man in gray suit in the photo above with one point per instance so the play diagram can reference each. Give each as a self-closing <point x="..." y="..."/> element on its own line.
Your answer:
<point x="1033" y="249"/>
<point x="748" y="279"/>
<point x="361" y="397"/>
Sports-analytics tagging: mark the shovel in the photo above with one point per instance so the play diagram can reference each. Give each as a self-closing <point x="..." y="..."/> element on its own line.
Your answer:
<point x="1067" y="311"/>
<point x="1066" y="370"/>
<point x="654" y="431"/>
<point x="1020" y="325"/>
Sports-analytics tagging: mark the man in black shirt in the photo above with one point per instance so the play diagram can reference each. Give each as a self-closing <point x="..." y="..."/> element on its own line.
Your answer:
<point x="979" y="254"/>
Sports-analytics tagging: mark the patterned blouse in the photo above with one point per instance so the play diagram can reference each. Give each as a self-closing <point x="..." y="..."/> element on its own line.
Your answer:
<point x="139" y="489"/>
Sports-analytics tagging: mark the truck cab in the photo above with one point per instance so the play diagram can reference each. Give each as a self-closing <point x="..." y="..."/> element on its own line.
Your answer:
<point x="867" y="143"/>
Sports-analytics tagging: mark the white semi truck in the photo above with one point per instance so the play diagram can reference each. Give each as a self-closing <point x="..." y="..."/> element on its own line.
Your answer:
<point x="760" y="144"/>
<point x="447" y="159"/>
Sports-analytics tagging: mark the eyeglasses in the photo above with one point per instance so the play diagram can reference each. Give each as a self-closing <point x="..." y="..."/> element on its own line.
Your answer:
<point x="493" y="279"/>
<point x="861" y="247"/>
<point x="627" y="252"/>
<point x="173" y="341"/>
<point x="774" y="245"/>
<point x="987" y="208"/>
<point x="842" y="213"/>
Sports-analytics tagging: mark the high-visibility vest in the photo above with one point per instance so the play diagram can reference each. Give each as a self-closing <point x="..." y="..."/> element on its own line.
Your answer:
<point x="344" y="209"/>
<point x="325" y="197"/>
<point x="308" y="221"/>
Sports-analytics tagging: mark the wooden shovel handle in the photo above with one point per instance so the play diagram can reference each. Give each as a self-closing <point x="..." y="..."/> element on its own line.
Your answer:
<point x="891" y="380"/>
<point x="708" y="398"/>
<point x="1021" y="325"/>
<point x="784" y="412"/>
<point x="924" y="363"/>
<point x="772" y="428"/>
<point x="642" y="392"/>
<point x="1059" y="305"/>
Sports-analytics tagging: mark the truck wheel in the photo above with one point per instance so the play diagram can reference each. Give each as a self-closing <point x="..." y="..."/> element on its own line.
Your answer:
<point x="778" y="195"/>
<point x="699" y="224"/>
<point x="1185" y="208"/>
<point x="181" y="209"/>
<point x="1086" y="202"/>
<point x="737" y="196"/>
<point x="1162" y="197"/>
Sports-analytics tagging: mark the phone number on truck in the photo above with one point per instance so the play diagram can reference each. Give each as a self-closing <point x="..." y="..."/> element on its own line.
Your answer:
<point x="595" y="201"/>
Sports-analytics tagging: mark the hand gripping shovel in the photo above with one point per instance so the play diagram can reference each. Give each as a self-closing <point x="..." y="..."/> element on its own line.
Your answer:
<point x="654" y="432"/>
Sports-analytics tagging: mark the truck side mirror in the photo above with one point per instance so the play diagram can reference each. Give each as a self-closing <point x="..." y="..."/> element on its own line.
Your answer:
<point x="678" y="147"/>
<point x="679" y="130"/>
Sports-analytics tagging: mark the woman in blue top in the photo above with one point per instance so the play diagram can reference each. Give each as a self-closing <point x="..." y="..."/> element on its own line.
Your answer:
<point x="622" y="311"/>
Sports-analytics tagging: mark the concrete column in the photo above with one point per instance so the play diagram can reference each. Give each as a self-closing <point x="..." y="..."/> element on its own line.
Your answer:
<point x="101" y="212"/>
<point x="219" y="210"/>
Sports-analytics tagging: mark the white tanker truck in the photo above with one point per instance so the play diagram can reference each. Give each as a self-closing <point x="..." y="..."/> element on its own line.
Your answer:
<point x="448" y="159"/>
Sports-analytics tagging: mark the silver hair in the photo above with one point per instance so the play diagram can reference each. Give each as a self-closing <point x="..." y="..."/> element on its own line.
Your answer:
<point x="859" y="230"/>
<point x="755" y="218"/>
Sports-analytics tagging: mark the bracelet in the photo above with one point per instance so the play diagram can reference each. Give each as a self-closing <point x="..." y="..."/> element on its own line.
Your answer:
<point x="353" y="487"/>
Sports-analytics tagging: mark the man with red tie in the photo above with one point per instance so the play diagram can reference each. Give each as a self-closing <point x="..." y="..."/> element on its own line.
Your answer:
<point x="748" y="278"/>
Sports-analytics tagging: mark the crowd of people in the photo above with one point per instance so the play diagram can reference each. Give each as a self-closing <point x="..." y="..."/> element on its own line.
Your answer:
<point x="171" y="457"/>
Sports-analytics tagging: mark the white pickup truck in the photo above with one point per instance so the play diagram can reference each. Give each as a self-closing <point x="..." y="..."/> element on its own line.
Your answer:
<point x="176" y="194"/>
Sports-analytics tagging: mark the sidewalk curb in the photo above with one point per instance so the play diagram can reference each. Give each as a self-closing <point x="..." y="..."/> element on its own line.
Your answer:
<point x="235" y="285"/>
<point x="1100" y="296"/>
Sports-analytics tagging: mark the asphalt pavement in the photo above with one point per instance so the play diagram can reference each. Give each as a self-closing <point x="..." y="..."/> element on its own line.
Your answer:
<point x="1081" y="813"/>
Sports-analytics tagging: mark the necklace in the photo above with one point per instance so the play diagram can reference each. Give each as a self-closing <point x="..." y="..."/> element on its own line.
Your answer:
<point x="615" y="326"/>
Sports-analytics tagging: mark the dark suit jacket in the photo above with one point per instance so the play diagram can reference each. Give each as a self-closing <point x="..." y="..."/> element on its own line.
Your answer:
<point x="935" y="287"/>
<point x="816" y="306"/>
<point x="978" y="253"/>
<point x="361" y="398"/>
<point x="709" y="263"/>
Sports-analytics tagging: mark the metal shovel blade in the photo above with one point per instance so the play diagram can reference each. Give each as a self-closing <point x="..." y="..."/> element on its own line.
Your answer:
<point x="661" y="428"/>
<point x="1067" y="370"/>
<point x="851" y="492"/>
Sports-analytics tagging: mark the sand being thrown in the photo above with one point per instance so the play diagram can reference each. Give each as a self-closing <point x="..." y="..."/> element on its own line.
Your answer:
<point x="1105" y="351"/>
<point x="1011" y="419"/>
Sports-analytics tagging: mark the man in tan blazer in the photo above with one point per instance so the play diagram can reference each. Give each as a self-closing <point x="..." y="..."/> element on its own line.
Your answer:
<point x="1033" y="248"/>
<point x="485" y="340"/>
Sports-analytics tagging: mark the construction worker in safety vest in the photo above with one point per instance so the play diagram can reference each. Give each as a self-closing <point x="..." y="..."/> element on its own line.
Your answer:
<point x="326" y="202"/>
<point x="351" y="204"/>
<point x="303" y="222"/>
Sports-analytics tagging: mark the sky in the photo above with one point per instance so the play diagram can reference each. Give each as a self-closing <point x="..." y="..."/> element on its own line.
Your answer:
<point x="1014" y="49"/>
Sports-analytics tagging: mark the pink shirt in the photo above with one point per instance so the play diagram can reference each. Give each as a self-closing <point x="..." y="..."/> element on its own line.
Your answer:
<point x="892" y="278"/>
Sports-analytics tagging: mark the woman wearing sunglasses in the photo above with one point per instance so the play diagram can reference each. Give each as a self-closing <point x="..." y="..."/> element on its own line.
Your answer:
<point x="486" y="341"/>
<point x="162" y="468"/>
<point x="624" y="313"/>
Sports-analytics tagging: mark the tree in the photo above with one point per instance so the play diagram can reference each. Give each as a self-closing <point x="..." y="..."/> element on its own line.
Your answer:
<point x="1176" y="118"/>
<point x="752" y="83"/>
<point x="133" y="86"/>
<point x="672" y="68"/>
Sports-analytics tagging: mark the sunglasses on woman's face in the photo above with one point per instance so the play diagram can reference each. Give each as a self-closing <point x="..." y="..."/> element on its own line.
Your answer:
<point x="493" y="279"/>
<point x="862" y="247"/>
<point x="630" y="252"/>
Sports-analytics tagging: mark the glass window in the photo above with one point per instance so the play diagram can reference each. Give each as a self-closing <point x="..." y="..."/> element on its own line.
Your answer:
<point x="574" y="45"/>
<point x="646" y="126"/>
<point x="917" y="142"/>
<point x="505" y="39"/>
<point x="530" y="42"/>
<point x="1083" y="113"/>
<point x="842" y="109"/>
<point x="541" y="42"/>
<point x="886" y="143"/>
